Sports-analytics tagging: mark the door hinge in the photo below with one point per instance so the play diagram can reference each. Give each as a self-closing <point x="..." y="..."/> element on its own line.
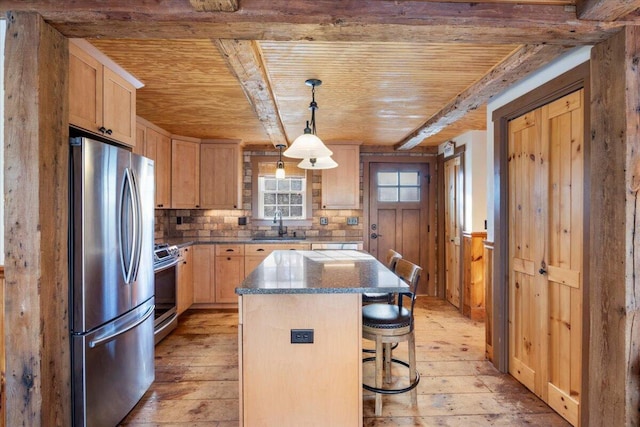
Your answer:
<point x="428" y="229"/>
<point x="428" y="179"/>
<point x="427" y="276"/>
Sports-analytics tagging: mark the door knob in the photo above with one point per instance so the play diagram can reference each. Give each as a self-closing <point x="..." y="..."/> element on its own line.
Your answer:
<point x="375" y="235"/>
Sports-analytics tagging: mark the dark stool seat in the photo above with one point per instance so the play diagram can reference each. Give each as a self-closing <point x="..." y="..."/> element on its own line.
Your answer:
<point x="385" y="316"/>
<point x="383" y="297"/>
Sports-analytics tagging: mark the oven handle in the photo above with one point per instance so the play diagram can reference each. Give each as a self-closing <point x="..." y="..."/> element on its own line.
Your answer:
<point x="167" y="322"/>
<point x="173" y="263"/>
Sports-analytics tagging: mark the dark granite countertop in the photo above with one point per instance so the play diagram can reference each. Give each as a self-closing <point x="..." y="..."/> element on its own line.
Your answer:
<point x="320" y="271"/>
<point x="188" y="241"/>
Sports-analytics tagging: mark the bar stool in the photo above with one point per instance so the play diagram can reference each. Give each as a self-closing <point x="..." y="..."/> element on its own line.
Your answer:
<point x="370" y="298"/>
<point x="387" y="324"/>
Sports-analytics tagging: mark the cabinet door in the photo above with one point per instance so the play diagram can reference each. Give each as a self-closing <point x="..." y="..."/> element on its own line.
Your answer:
<point x="341" y="185"/>
<point x="141" y="137"/>
<point x="158" y="148"/>
<point x="251" y="262"/>
<point x="229" y="274"/>
<point x="184" y="293"/>
<point x="185" y="174"/>
<point x="220" y="180"/>
<point x="119" y="108"/>
<point x="85" y="90"/>
<point x="204" y="274"/>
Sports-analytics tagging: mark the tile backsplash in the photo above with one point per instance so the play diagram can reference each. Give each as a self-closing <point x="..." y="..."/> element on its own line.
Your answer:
<point x="202" y="223"/>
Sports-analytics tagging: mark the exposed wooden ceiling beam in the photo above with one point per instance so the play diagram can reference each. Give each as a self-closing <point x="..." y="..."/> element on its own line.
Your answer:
<point x="605" y="10"/>
<point x="522" y="62"/>
<point x="245" y="61"/>
<point x="214" y="5"/>
<point x="363" y="20"/>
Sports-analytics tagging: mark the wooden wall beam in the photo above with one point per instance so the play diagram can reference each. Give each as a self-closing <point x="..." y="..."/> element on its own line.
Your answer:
<point x="614" y="270"/>
<point x="365" y="20"/>
<point x="518" y="65"/>
<point x="36" y="152"/>
<point x="214" y="5"/>
<point x="605" y="10"/>
<point x="244" y="60"/>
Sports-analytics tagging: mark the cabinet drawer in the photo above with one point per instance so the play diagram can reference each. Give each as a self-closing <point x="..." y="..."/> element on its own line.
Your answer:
<point x="230" y="250"/>
<point x="266" y="249"/>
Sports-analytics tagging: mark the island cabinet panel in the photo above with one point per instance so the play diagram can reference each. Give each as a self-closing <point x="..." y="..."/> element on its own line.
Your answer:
<point x="284" y="384"/>
<point x="204" y="290"/>
<point x="229" y="271"/>
<point x="341" y="185"/>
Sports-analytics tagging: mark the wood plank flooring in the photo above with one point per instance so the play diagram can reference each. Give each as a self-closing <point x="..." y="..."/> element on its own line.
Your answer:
<point x="197" y="378"/>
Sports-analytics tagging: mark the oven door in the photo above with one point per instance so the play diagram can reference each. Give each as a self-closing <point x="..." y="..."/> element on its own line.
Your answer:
<point x="166" y="318"/>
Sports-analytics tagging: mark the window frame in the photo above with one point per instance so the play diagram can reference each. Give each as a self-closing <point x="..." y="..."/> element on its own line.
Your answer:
<point x="255" y="194"/>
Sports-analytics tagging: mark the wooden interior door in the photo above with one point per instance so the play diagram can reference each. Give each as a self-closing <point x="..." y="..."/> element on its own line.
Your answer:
<point x="398" y="212"/>
<point x="546" y="226"/>
<point x="452" y="229"/>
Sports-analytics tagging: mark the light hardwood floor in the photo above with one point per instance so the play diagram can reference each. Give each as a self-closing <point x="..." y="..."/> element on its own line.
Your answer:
<point x="197" y="378"/>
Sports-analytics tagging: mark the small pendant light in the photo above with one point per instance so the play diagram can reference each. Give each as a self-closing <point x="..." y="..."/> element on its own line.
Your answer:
<point x="280" y="165"/>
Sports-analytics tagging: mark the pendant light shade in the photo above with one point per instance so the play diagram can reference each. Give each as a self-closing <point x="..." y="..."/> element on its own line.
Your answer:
<point x="319" y="163"/>
<point x="308" y="146"/>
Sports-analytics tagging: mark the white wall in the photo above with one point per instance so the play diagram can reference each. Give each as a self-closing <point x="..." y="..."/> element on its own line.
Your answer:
<point x="543" y="75"/>
<point x="3" y="23"/>
<point x="475" y="179"/>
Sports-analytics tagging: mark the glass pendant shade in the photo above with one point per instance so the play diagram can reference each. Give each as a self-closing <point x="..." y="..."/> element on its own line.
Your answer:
<point x="280" y="170"/>
<point x="320" y="163"/>
<point x="307" y="146"/>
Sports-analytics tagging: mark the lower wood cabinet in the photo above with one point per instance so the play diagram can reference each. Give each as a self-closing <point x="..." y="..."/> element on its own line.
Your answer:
<point x="184" y="291"/>
<point x="229" y="268"/>
<point x="204" y="279"/>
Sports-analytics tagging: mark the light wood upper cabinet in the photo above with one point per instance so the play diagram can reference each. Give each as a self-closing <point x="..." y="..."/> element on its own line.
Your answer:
<point x="184" y="291"/>
<point x="158" y="148"/>
<point x="185" y="174"/>
<point x="141" y="138"/>
<point x="341" y="185"/>
<point x="221" y="174"/>
<point x="100" y="101"/>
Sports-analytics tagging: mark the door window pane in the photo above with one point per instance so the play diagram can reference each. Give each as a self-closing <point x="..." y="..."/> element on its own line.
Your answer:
<point x="409" y="194"/>
<point x="388" y="194"/>
<point x="399" y="186"/>
<point x="387" y="178"/>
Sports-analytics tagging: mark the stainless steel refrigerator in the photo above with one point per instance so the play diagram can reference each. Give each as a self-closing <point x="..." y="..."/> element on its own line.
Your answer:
<point x="112" y="288"/>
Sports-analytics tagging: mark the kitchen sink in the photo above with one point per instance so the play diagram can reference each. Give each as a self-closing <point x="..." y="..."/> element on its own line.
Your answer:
<point x="279" y="239"/>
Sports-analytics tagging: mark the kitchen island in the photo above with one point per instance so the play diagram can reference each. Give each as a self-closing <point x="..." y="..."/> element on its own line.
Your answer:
<point x="300" y="337"/>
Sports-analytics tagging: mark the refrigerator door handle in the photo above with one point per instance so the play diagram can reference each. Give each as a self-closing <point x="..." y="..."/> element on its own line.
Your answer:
<point x="137" y="224"/>
<point x="106" y="338"/>
<point x="128" y="237"/>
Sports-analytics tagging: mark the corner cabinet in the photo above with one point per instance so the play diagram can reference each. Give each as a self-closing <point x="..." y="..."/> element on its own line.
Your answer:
<point x="341" y="185"/>
<point x="185" y="173"/>
<point x="157" y="147"/>
<point x="100" y="100"/>
<point x="220" y="174"/>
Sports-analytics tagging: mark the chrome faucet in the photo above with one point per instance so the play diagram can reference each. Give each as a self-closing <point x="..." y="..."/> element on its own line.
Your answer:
<point x="281" y="230"/>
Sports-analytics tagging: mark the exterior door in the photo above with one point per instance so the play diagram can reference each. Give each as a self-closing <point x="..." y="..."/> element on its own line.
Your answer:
<point x="546" y="194"/>
<point x="398" y="212"/>
<point x="452" y="229"/>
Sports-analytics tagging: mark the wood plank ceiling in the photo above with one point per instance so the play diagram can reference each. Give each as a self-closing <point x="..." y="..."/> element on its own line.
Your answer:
<point x="396" y="74"/>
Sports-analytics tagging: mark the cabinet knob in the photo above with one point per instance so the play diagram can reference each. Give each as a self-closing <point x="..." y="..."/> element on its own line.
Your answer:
<point x="160" y="205"/>
<point x="228" y="258"/>
<point x="109" y="132"/>
<point x="197" y="206"/>
<point x="102" y="129"/>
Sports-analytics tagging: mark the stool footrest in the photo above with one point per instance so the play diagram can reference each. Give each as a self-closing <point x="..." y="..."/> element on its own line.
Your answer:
<point x="410" y="387"/>
<point x="373" y="350"/>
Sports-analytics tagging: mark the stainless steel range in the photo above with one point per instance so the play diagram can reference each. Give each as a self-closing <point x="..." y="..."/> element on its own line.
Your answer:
<point x="165" y="260"/>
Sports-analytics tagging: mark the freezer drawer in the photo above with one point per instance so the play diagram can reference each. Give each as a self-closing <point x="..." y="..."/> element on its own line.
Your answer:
<point x="112" y="368"/>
